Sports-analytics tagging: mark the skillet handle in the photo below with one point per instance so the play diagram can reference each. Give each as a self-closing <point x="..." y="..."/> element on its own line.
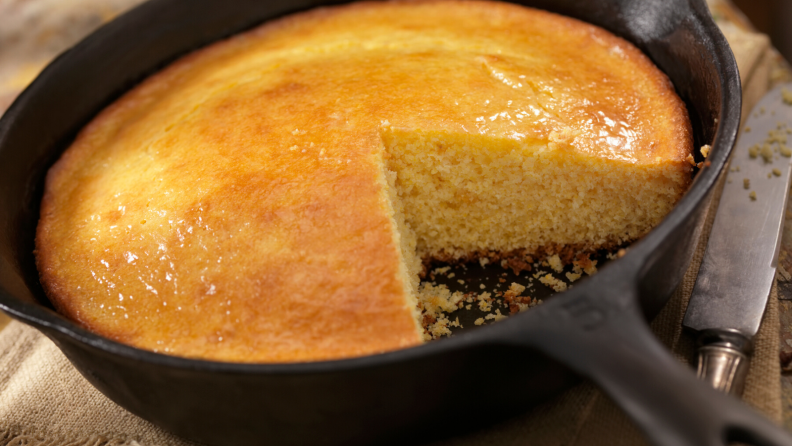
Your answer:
<point x="607" y="340"/>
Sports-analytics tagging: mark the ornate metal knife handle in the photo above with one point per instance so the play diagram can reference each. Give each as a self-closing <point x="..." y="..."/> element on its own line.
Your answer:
<point x="723" y="359"/>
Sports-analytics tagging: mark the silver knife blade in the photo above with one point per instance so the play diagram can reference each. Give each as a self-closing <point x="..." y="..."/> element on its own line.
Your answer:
<point x="736" y="274"/>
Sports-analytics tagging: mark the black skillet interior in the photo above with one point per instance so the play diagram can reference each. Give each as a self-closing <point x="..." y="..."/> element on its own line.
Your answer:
<point x="676" y="34"/>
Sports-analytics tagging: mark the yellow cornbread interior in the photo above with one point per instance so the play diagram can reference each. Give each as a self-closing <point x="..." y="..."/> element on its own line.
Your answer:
<point x="403" y="238"/>
<point x="468" y="194"/>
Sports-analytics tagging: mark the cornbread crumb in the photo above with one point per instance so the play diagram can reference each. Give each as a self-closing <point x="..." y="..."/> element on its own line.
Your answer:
<point x="479" y="321"/>
<point x="784" y="150"/>
<point x="752" y="195"/>
<point x="767" y="153"/>
<point x="783" y="274"/>
<point x="746" y="183"/>
<point x="484" y="261"/>
<point x="705" y="150"/>
<point x="555" y="262"/>
<point x="786" y="96"/>
<point x="572" y="277"/>
<point x="439" y="328"/>
<point x="691" y="160"/>
<point x="436" y="299"/>
<point x="747" y="130"/>
<point x="442" y="270"/>
<point x="556" y="284"/>
<point x="753" y="151"/>
<point x="516" y="288"/>
<point x="485" y="301"/>
<point x="497" y="316"/>
<point x="776" y="172"/>
<point x="584" y="263"/>
<point x="451" y="276"/>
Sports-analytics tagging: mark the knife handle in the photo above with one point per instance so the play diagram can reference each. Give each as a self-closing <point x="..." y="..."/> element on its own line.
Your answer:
<point x="723" y="359"/>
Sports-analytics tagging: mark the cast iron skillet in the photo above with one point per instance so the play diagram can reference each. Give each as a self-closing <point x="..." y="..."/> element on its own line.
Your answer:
<point x="597" y="329"/>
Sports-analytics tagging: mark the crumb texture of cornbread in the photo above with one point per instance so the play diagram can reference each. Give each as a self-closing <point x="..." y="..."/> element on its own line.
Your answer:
<point x="472" y="193"/>
<point x="269" y="198"/>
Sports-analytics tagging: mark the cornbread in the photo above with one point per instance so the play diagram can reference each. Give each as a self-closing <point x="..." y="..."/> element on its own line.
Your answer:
<point x="270" y="198"/>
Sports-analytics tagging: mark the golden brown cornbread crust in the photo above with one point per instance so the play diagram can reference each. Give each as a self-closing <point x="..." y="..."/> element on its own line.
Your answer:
<point x="233" y="205"/>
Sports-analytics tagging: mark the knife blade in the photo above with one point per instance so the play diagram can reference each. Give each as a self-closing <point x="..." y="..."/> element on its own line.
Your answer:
<point x="739" y="264"/>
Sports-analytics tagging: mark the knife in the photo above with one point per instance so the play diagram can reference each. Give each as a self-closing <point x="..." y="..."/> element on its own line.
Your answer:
<point x="739" y="265"/>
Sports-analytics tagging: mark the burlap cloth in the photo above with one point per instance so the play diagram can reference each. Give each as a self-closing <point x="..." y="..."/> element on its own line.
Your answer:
<point x="44" y="401"/>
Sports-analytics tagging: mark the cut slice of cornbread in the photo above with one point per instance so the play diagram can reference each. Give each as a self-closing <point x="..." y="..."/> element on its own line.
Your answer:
<point x="270" y="198"/>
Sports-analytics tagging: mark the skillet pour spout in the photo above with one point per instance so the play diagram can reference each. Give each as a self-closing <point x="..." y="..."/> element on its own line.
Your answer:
<point x="597" y="329"/>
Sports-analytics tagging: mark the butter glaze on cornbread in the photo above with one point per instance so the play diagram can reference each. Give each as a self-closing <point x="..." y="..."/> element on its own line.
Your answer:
<point x="269" y="198"/>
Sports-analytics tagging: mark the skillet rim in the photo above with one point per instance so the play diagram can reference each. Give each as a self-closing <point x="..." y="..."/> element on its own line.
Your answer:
<point x="723" y="141"/>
